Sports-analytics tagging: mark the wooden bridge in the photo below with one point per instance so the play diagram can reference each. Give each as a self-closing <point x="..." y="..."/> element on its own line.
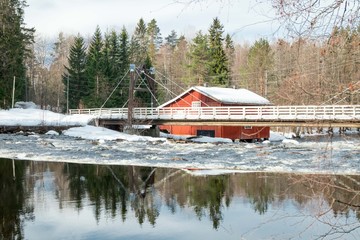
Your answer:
<point x="305" y="116"/>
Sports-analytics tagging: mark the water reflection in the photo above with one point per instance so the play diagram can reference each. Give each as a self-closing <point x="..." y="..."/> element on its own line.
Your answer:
<point x="146" y="195"/>
<point x="14" y="209"/>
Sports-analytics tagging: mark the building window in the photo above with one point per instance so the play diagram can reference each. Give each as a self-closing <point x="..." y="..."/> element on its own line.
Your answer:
<point x="196" y="104"/>
<point x="247" y="127"/>
<point x="205" y="133"/>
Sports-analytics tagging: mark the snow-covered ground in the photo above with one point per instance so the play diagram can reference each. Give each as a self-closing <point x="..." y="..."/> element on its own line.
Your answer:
<point x="338" y="154"/>
<point x="30" y="115"/>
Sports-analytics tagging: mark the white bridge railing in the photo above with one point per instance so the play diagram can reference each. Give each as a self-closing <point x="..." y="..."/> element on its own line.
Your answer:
<point x="254" y="113"/>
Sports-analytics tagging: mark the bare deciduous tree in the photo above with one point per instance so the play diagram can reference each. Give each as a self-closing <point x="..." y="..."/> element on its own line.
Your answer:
<point x="315" y="17"/>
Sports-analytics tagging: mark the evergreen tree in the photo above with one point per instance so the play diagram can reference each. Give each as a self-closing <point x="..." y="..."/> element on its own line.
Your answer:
<point x="139" y="44"/>
<point x="218" y="65"/>
<point x="124" y="51"/>
<point x="115" y="67"/>
<point x="229" y="50"/>
<point x="143" y="95"/>
<point x="14" y="42"/>
<point x="114" y="58"/>
<point x="172" y="39"/>
<point x="122" y="93"/>
<point x="75" y="79"/>
<point x="155" y="40"/>
<point x="199" y="58"/>
<point x="107" y="59"/>
<point x="94" y="71"/>
<point x="111" y="52"/>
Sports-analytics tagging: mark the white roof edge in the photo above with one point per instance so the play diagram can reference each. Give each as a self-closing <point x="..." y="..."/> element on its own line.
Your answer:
<point x="176" y="98"/>
<point x="258" y="100"/>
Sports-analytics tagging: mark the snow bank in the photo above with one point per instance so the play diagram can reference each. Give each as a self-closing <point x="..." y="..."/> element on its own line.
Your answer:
<point x="203" y="139"/>
<point x="175" y="137"/>
<point x="100" y="133"/>
<point x="197" y="139"/>
<point x="290" y="142"/>
<point x="38" y="117"/>
<point x="276" y="137"/>
<point x="52" y="132"/>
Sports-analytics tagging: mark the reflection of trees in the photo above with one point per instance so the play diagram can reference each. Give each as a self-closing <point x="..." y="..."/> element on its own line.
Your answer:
<point x="209" y="196"/>
<point x="138" y="187"/>
<point x="113" y="187"/>
<point x="123" y="190"/>
<point x="259" y="189"/>
<point x="206" y="195"/>
<point x="339" y="194"/>
<point x="13" y="207"/>
<point x="142" y="201"/>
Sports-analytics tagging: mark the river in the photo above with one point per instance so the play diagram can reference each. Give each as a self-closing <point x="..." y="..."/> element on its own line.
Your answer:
<point x="59" y="200"/>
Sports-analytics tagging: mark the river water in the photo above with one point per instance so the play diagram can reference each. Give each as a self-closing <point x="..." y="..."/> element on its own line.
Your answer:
<point x="57" y="200"/>
<point x="323" y="154"/>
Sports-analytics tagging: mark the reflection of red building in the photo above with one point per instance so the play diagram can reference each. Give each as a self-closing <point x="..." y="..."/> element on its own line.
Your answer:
<point x="218" y="97"/>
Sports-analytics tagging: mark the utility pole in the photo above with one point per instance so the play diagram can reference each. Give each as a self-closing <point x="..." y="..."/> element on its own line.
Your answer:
<point x="13" y="166"/>
<point x="67" y="95"/>
<point x="151" y="84"/>
<point x="13" y="93"/>
<point x="97" y="85"/>
<point x="131" y="94"/>
<point x="266" y="84"/>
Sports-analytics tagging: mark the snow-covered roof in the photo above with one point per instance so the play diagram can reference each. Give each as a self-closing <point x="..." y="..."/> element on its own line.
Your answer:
<point x="239" y="96"/>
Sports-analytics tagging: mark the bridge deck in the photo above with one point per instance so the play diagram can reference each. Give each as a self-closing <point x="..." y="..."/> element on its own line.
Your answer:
<point x="335" y="115"/>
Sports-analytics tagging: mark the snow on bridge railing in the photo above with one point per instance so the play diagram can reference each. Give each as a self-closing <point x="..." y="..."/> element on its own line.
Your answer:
<point x="312" y="112"/>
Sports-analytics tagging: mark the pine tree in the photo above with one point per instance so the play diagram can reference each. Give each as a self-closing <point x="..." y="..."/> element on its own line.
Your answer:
<point x="229" y="50"/>
<point x="124" y="51"/>
<point x="123" y="90"/>
<point x="115" y="67"/>
<point x="143" y="95"/>
<point x="218" y="66"/>
<point x="94" y="71"/>
<point x="199" y="58"/>
<point x="114" y="58"/>
<point x="155" y="40"/>
<point x="172" y="39"/>
<point x="14" y="42"/>
<point x="111" y="61"/>
<point x="139" y="44"/>
<point x="107" y="58"/>
<point x="75" y="79"/>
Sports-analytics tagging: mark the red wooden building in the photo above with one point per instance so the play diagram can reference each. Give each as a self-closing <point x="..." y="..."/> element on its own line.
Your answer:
<point x="218" y="97"/>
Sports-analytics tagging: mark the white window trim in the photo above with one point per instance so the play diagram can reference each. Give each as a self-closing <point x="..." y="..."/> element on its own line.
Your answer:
<point x="196" y="104"/>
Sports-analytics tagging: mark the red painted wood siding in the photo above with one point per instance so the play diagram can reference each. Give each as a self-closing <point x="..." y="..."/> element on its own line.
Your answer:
<point x="232" y="132"/>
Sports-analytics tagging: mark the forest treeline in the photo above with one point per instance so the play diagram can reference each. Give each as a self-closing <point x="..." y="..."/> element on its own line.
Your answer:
<point x="79" y="72"/>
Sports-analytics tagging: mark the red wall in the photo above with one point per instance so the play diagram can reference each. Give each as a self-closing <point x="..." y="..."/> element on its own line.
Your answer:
<point x="232" y="132"/>
<point x="188" y="98"/>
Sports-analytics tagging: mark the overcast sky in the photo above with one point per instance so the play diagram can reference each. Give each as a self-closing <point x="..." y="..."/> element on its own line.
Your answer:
<point x="49" y="17"/>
